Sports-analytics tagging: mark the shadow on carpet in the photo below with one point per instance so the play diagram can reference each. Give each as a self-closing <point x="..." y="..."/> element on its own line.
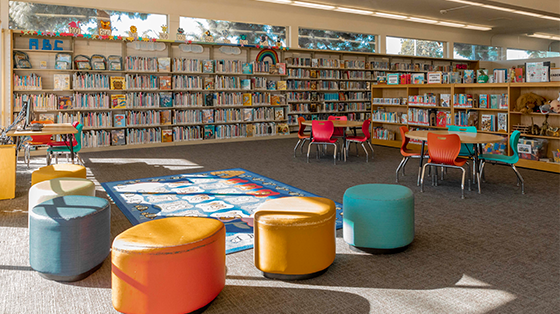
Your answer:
<point x="230" y="196"/>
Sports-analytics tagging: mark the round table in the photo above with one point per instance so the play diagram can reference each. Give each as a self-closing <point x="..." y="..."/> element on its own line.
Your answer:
<point x="466" y="138"/>
<point x="338" y="124"/>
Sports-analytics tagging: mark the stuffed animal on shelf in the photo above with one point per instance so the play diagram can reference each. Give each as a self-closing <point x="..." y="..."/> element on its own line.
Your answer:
<point x="526" y="103"/>
<point x="243" y="40"/>
<point x="555" y="105"/>
<point x="74" y="28"/>
<point x="208" y="37"/>
<point x="133" y="33"/>
<point x="164" y="34"/>
<point x="104" y="28"/>
<point x="263" y="42"/>
<point x="544" y="126"/>
<point x="278" y="42"/>
<point x="181" y="34"/>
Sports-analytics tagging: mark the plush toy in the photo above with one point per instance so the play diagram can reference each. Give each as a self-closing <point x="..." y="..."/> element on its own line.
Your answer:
<point x="527" y="102"/>
<point x="555" y="105"/>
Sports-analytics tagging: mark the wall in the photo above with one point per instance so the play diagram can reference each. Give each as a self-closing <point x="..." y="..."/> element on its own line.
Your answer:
<point x="289" y="16"/>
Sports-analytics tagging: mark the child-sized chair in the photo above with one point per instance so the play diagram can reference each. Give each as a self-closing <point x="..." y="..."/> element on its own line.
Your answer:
<point x="322" y="135"/>
<point x="63" y="147"/>
<point x="361" y="139"/>
<point x="36" y="141"/>
<point x="444" y="152"/>
<point x="302" y="136"/>
<point x="405" y="152"/>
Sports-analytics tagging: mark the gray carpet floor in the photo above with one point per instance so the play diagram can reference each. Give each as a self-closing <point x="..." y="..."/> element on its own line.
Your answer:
<point x="498" y="252"/>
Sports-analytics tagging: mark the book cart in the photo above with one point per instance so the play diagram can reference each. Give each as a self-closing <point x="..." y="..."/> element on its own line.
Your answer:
<point x="180" y="102"/>
<point x="389" y="115"/>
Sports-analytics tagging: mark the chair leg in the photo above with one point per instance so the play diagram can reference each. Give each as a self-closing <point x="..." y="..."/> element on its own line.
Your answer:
<point x="469" y="180"/>
<point x="27" y="155"/>
<point x="365" y="150"/>
<point x="334" y="155"/>
<point x="295" y="148"/>
<point x="422" y="178"/>
<point x="463" y="184"/>
<point x="520" y="178"/>
<point x="302" y="143"/>
<point x="357" y="150"/>
<point x="370" y="147"/>
<point x="482" y="164"/>
<point x="308" y="150"/>
<point x="404" y="166"/>
<point x="442" y="170"/>
<point x="399" y="168"/>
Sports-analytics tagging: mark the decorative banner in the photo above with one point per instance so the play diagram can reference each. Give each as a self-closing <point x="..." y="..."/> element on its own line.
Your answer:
<point x="191" y="48"/>
<point x="267" y="55"/>
<point x="229" y="50"/>
<point x="146" y="46"/>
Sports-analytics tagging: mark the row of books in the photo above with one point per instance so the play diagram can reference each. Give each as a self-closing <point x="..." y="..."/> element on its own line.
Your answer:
<point x="313" y="85"/>
<point x="428" y="99"/>
<point x="487" y="122"/>
<point x="227" y="66"/>
<point x="143" y="136"/>
<point x="427" y="117"/>
<point x="352" y="116"/>
<point x="389" y="101"/>
<point x="228" y="115"/>
<point x="488" y="101"/>
<point x="96" y="138"/>
<point x="382" y="133"/>
<point x="28" y="82"/>
<point x="328" y="107"/>
<point x="299" y="73"/>
<point x="381" y="115"/>
<point x="153" y="64"/>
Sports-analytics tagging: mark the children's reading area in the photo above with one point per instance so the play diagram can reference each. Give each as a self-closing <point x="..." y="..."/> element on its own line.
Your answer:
<point x="279" y="156"/>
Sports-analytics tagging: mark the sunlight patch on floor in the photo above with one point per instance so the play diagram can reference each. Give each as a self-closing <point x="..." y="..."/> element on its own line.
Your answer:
<point x="168" y="163"/>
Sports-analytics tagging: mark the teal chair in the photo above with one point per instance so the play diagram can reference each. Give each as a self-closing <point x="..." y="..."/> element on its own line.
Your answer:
<point x="466" y="150"/>
<point x="505" y="160"/>
<point x="58" y="149"/>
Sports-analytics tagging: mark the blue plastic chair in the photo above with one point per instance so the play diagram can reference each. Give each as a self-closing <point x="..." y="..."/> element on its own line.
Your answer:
<point x="466" y="150"/>
<point x="56" y="150"/>
<point x="505" y="160"/>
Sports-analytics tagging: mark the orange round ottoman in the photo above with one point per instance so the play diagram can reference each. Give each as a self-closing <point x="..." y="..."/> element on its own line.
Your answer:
<point x="58" y="171"/>
<point x="295" y="237"/>
<point x="169" y="265"/>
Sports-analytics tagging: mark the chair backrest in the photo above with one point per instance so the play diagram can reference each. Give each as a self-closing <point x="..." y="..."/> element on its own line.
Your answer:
<point x="444" y="149"/>
<point x="343" y="118"/>
<point x="338" y="131"/>
<point x="78" y="137"/>
<point x="322" y="130"/>
<point x="75" y="123"/>
<point x="456" y="128"/>
<point x="513" y="141"/>
<point x="405" y="140"/>
<point x="301" y="126"/>
<point x="365" y="128"/>
<point x="41" y="138"/>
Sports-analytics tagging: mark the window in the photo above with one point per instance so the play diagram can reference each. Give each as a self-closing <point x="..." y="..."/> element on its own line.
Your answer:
<point x="333" y="40"/>
<point x="476" y="52"/>
<point x="414" y="47"/>
<point x="46" y="17"/>
<point x="194" y="29"/>
<point x="515" y="54"/>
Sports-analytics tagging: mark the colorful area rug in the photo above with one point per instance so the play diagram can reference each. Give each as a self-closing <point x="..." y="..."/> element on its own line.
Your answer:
<point x="230" y="196"/>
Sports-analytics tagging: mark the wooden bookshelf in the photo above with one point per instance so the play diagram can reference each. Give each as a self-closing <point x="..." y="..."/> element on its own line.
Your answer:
<point x="548" y="90"/>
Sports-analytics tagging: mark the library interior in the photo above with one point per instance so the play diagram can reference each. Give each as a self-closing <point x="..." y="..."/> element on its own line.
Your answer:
<point x="280" y="156"/>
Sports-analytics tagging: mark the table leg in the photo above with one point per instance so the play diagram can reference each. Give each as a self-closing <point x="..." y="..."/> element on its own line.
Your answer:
<point x="477" y="150"/>
<point x="421" y="162"/>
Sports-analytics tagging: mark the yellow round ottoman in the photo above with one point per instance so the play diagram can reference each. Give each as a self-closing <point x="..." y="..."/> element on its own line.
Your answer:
<point x="58" y="171"/>
<point x="46" y="190"/>
<point x="169" y="265"/>
<point x="295" y="237"/>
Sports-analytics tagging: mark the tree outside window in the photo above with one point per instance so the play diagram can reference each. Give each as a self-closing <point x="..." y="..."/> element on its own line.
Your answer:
<point x="414" y="47"/>
<point x="333" y="40"/>
<point x="476" y="52"/>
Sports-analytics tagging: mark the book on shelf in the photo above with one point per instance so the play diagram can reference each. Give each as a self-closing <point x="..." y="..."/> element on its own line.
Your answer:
<point x="165" y="99"/>
<point x="381" y="80"/>
<point x="455" y="78"/>
<point x="441" y="119"/>
<point x="250" y="129"/>
<point x="502" y="121"/>
<point x="117" y="82"/>
<point x="247" y="99"/>
<point x="208" y="66"/>
<point x="209" y="100"/>
<point x="432" y="117"/>
<point x="165" y="117"/>
<point x="43" y="65"/>
<point x="270" y="85"/>
<point x="247" y="68"/>
<point x="47" y="117"/>
<point x="500" y="75"/>
<point x="434" y="77"/>
<point x="118" y="101"/>
<point x="273" y="69"/>
<point x="537" y="71"/>
<point x="166" y="136"/>
<point x="209" y="131"/>
<point x="164" y="64"/>
<point x="312" y="73"/>
<point x="281" y="68"/>
<point x="281" y="85"/>
<point x="165" y="82"/>
<point x="494" y="101"/>
<point x="64" y="102"/>
<point x="313" y="85"/>
<point x="279" y="113"/>
<point x="247" y="114"/>
<point x="393" y="79"/>
<point x="417" y="78"/>
<point x="118" y="138"/>
<point x="472" y="118"/>
<point x="61" y="81"/>
<point x="483" y="101"/>
<point x="119" y="120"/>
<point x="482" y="76"/>
<point x="208" y="83"/>
<point x="488" y="122"/>
<point x="282" y="129"/>
<point x="468" y="76"/>
<point x="246" y="84"/>
<point x="208" y="116"/>
<point x="444" y="100"/>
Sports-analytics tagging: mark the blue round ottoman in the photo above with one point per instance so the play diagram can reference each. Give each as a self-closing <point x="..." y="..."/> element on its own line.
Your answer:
<point x="69" y="236"/>
<point x="378" y="218"/>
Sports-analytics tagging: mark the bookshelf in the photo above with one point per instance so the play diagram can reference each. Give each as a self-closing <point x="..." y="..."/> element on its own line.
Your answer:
<point x="194" y="110"/>
<point x="510" y="92"/>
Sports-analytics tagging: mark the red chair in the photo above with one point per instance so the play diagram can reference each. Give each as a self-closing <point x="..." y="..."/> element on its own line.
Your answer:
<point x="361" y="139"/>
<point x="339" y="132"/>
<point x="302" y="136"/>
<point x="322" y="135"/>
<point x="405" y="152"/>
<point x="444" y="151"/>
<point x="36" y="141"/>
<point x="65" y="143"/>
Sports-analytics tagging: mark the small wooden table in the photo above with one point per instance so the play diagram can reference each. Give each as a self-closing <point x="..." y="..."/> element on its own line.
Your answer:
<point x="65" y="129"/>
<point x="466" y="138"/>
<point x="338" y="124"/>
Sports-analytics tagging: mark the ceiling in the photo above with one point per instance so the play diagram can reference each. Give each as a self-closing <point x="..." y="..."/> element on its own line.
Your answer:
<point x="500" y="21"/>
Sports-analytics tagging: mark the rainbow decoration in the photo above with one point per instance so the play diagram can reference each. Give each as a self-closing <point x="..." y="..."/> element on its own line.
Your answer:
<point x="267" y="55"/>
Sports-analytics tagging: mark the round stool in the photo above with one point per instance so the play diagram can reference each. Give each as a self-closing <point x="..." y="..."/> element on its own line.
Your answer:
<point x="169" y="265"/>
<point x="49" y="189"/>
<point x="378" y="218"/>
<point x="69" y="236"/>
<point x="295" y="237"/>
<point x="58" y="171"/>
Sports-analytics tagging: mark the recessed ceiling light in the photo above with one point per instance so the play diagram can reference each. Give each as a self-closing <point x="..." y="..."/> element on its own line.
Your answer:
<point x="416" y="19"/>
<point x="391" y="16"/>
<point x="278" y="1"/>
<point x="313" y="5"/>
<point x="498" y="8"/>
<point x="354" y="11"/>
<point x="478" y="28"/>
<point x="467" y="2"/>
<point x="451" y="24"/>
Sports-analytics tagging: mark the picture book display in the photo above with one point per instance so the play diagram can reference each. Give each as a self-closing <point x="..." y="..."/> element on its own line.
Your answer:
<point x="488" y="122"/>
<point x="47" y="117"/>
<point x="165" y="82"/>
<point x="208" y="83"/>
<point x="247" y="114"/>
<point x="279" y="113"/>
<point x="117" y="82"/>
<point x="165" y="116"/>
<point x="502" y="122"/>
<point x="417" y="78"/>
<point x="164" y="64"/>
<point x="246" y="84"/>
<point x="434" y="77"/>
<point x="247" y="99"/>
<point x="468" y="76"/>
<point x="118" y="101"/>
<point x="118" y="137"/>
<point x="166" y="136"/>
<point x="98" y="62"/>
<point x="209" y="131"/>
<point x="281" y="85"/>
<point x="165" y="99"/>
<point x="282" y="129"/>
<point x="208" y="116"/>
<point x="64" y="102"/>
<point x="208" y="66"/>
<point x="119" y="120"/>
<point x="61" y="81"/>
<point x="247" y="68"/>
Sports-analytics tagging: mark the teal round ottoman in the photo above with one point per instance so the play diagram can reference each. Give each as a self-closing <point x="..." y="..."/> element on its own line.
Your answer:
<point x="69" y="236"/>
<point x="378" y="218"/>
